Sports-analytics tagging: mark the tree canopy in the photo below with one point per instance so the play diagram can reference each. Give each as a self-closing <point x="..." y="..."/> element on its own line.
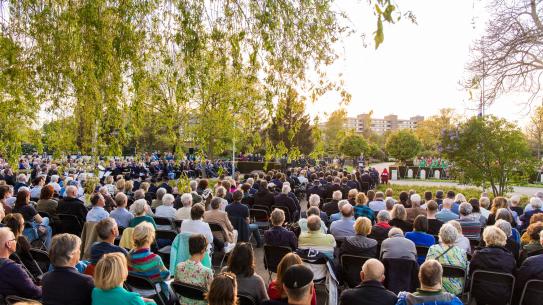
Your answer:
<point x="403" y="145"/>
<point x="488" y="151"/>
<point x="353" y="146"/>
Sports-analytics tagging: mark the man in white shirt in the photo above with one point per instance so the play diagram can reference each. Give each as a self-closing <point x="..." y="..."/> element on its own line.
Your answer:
<point x="97" y="212"/>
<point x="166" y="209"/>
<point x="196" y="225"/>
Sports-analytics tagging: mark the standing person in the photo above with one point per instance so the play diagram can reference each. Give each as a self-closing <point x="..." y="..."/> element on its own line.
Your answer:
<point x="64" y="285"/>
<point x="109" y="276"/>
<point x="371" y="290"/>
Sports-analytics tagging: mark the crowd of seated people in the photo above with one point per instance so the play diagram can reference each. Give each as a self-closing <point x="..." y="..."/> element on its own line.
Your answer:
<point x="442" y="230"/>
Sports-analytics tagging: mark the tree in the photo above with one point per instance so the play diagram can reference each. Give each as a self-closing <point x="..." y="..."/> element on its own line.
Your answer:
<point x="534" y="131"/>
<point x="429" y="130"/>
<point x="509" y="55"/>
<point x="334" y="130"/>
<point x="353" y="146"/>
<point x="290" y="125"/>
<point x="403" y="145"/>
<point x="488" y="150"/>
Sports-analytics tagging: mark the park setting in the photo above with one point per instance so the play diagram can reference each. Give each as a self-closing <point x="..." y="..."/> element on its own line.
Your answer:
<point x="271" y="152"/>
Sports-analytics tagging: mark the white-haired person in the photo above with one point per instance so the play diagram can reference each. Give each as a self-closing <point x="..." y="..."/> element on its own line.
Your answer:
<point x="448" y="254"/>
<point x="166" y="209"/>
<point x="314" y="238"/>
<point x="493" y="257"/>
<point x="397" y="246"/>
<point x="536" y="205"/>
<point x="140" y="207"/>
<point x="159" y="195"/>
<point x="510" y="244"/>
<point x="183" y="213"/>
<point x="283" y="200"/>
<point x="332" y="206"/>
<point x="415" y="209"/>
<point x="314" y="201"/>
<point x="344" y="227"/>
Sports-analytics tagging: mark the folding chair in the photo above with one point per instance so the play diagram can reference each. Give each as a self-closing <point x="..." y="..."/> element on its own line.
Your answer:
<point x="401" y="274"/>
<point x="532" y="293"/>
<point x="164" y="223"/>
<point x="246" y="300"/>
<point x="260" y="218"/>
<point x="70" y="224"/>
<point x="350" y="268"/>
<point x="136" y="283"/>
<point x="189" y="291"/>
<point x="496" y="296"/>
<point x="272" y="257"/>
<point x="215" y="227"/>
<point x="167" y="237"/>
<point x="422" y="250"/>
<point x="177" y="223"/>
<point x="41" y="258"/>
<point x="261" y="207"/>
<point x="456" y="272"/>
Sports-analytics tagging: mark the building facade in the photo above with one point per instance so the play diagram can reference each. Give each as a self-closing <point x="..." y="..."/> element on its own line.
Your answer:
<point x="382" y="125"/>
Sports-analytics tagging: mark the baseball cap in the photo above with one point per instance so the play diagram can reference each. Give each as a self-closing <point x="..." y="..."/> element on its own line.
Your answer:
<point x="297" y="276"/>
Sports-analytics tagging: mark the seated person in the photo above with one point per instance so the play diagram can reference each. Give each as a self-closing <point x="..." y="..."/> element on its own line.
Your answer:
<point x="433" y="224"/>
<point x="344" y="227"/>
<point x="510" y="244"/>
<point x="14" y="280"/>
<point x="337" y="216"/>
<point x="397" y="246"/>
<point x="166" y="209"/>
<point x="471" y="224"/>
<point x="493" y="257"/>
<point x="196" y="225"/>
<point x="371" y="290"/>
<point x="531" y="269"/>
<point x="140" y="208"/>
<point x="447" y="253"/>
<point x="143" y="262"/>
<point x="277" y="235"/>
<point x="220" y="217"/>
<point x="107" y="231"/>
<point x="303" y="221"/>
<point x="242" y="263"/>
<point x="461" y="240"/>
<point x="430" y="291"/>
<point x="361" y="209"/>
<point x="183" y="213"/>
<point x="419" y="235"/>
<point x="241" y="212"/>
<point x="109" y="276"/>
<point x="533" y="245"/>
<point x="317" y="240"/>
<point x="379" y="231"/>
<point x="332" y="206"/>
<point x="415" y="209"/>
<point x="398" y="217"/>
<point x="64" y="284"/>
<point x="192" y="271"/>
<point x="121" y="215"/>
<point x="97" y="212"/>
<point x="360" y="244"/>
<point x="223" y="290"/>
<point x="314" y="201"/>
<point x="275" y="288"/>
<point x="298" y="286"/>
<point x="16" y="223"/>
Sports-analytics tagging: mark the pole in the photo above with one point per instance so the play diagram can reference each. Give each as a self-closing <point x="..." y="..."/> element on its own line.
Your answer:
<point x="233" y="155"/>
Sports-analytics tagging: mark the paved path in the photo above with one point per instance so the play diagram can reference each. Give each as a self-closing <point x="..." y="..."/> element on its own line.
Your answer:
<point x="518" y="190"/>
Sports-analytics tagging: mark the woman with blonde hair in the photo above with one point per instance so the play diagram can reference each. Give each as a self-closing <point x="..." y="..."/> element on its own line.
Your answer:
<point x="499" y="203"/>
<point x="361" y="209"/>
<point x="360" y="244"/>
<point x="398" y="217"/>
<point x="109" y="276"/>
<point x="223" y="290"/>
<point x="275" y="288"/>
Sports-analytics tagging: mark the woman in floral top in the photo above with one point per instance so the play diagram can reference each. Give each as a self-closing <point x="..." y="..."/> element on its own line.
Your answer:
<point x="446" y="253"/>
<point x="192" y="271"/>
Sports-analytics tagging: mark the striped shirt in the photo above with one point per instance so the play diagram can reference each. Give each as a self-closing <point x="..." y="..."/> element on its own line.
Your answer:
<point x="144" y="263"/>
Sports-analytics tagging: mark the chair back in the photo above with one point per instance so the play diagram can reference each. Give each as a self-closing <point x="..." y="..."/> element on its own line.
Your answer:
<point x="455" y="272"/>
<point x="242" y="226"/>
<point x="70" y="224"/>
<point x="42" y="259"/>
<point x="178" y="223"/>
<point x="168" y="235"/>
<point x="273" y="255"/>
<point x="401" y="274"/>
<point x="422" y="250"/>
<point x="490" y="287"/>
<point x="217" y="231"/>
<point x="351" y="265"/>
<point x="135" y="282"/>
<point x="259" y="215"/>
<point x="532" y="293"/>
<point x="246" y="300"/>
<point x="189" y="291"/>
<point x="261" y="207"/>
<point x="164" y="221"/>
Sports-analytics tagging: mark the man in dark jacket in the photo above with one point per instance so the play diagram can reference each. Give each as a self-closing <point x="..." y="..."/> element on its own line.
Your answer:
<point x="71" y="205"/>
<point x="370" y="291"/>
<point x="531" y="269"/>
<point x="263" y="196"/>
<point x="283" y="200"/>
<point x="277" y="235"/>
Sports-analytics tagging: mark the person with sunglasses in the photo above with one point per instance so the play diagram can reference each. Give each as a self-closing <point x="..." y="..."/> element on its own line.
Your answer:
<point x="14" y="280"/>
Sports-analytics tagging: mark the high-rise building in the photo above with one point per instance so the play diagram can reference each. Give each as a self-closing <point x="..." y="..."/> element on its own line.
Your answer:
<point x="387" y="123"/>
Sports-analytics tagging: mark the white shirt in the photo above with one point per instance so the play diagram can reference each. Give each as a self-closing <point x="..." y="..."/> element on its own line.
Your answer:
<point x="165" y="211"/>
<point x="377" y="205"/>
<point x="56" y="186"/>
<point x="198" y="227"/>
<point x="96" y="214"/>
<point x="183" y="213"/>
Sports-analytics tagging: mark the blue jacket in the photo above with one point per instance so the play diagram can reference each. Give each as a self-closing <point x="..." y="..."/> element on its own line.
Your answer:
<point x="425" y="297"/>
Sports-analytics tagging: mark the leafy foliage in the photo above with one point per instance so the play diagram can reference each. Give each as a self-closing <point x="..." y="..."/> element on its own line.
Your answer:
<point x="429" y="130"/>
<point x="353" y="146"/>
<point x="488" y="151"/>
<point x="403" y="145"/>
<point x="534" y="131"/>
<point x="335" y="131"/>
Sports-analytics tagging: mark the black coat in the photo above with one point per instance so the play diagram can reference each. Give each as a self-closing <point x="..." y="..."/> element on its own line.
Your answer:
<point x="284" y="200"/>
<point x="359" y="245"/>
<point x="264" y="197"/>
<point x="531" y="269"/>
<point x="368" y="293"/>
<point x="497" y="259"/>
<point x="73" y="206"/>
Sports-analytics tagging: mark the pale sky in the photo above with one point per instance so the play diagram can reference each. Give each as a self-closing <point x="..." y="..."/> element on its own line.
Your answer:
<point x="419" y="67"/>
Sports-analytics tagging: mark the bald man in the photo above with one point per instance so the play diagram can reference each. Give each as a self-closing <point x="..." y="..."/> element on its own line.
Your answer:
<point x="344" y="227"/>
<point x="315" y="239"/>
<point x="13" y="278"/>
<point x="370" y="291"/>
